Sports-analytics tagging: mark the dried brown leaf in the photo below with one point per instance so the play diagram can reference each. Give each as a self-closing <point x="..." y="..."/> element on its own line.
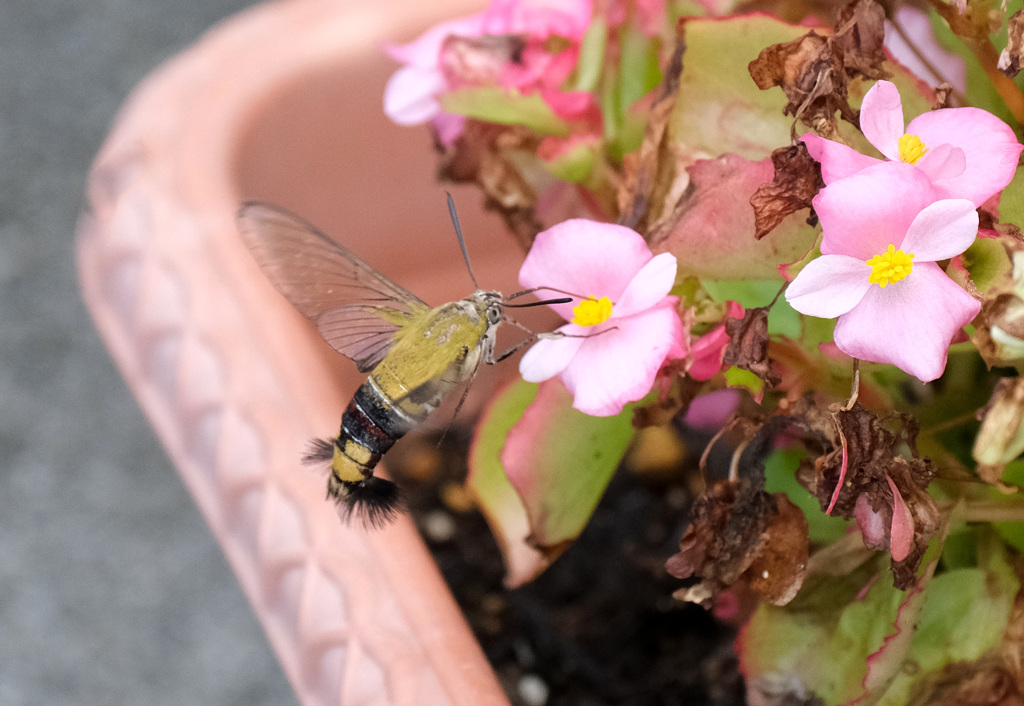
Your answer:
<point x="641" y="168"/>
<point x="779" y="570"/>
<point x="482" y="155"/>
<point x="797" y="180"/>
<point x="860" y="32"/>
<point x="748" y="345"/>
<point x="1011" y="57"/>
<point x="873" y="453"/>
<point x="814" y="71"/>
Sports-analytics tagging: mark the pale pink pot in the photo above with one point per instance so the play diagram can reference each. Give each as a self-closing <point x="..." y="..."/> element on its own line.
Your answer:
<point x="283" y="103"/>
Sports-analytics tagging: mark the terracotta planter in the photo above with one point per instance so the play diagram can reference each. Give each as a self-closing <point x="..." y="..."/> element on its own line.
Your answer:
<point x="283" y="103"/>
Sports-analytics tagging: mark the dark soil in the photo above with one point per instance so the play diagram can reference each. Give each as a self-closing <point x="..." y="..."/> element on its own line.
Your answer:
<point x="600" y="626"/>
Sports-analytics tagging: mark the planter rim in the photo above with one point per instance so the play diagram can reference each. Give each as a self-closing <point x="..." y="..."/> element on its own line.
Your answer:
<point x="233" y="381"/>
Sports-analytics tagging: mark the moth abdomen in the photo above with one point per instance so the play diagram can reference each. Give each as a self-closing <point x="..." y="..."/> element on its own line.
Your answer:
<point x="374" y="500"/>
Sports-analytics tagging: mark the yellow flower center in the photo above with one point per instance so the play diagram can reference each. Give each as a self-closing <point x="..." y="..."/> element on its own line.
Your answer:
<point x="890" y="266"/>
<point x="592" y="311"/>
<point x="911" y="149"/>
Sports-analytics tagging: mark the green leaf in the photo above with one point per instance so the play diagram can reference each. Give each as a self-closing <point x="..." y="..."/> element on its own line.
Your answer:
<point x="821" y="642"/>
<point x="987" y="262"/>
<point x="560" y="461"/>
<point x="495" y="496"/>
<point x="494" y="104"/>
<point x="719" y="108"/>
<point x="738" y="377"/>
<point x="783" y="319"/>
<point x="591" y="61"/>
<point x="1011" y="204"/>
<point x="574" y="164"/>
<point x="964" y="616"/>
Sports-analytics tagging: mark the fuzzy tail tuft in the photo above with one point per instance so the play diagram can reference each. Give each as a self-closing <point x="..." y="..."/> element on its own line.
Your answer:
<point x="318" y="451"/>
<point x="374" y="501"/>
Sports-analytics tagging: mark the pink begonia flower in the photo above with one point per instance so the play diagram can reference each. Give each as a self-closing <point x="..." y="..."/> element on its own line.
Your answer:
<point x="626" y="328"/>
<point x="411" y="94"/>
<point x="884" y="228"/>
<point x="967" y="153"/>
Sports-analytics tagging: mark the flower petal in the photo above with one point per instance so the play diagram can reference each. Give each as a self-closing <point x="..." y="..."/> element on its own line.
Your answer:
<point x="942" y="230"/>
<point x="837" y="160"/>
<point x="617" y="367"/>
<point x="829" y="286"/>
<point x="550" y="356"/>
<point x="881" y="118"/>
<point x="649" y="287"/>
<point x="539" y="18"/>
<point x="865" y="213"/>
<point x="990" y="146"/>
<point x="586" y="258"/>
<point x="909" y="323"/>
<point x="423" y="52"/>
<point x="942" y="162"/>
<point x="410" y="96"/>
<point x="901" y="534"/>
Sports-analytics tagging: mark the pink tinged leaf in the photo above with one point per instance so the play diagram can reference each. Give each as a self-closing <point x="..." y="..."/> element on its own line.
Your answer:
<point x="550" y="356"/>
<point x="888" y="661"/>
<point x="989" y="145"/>
<point x="901" y="536"/>
<point x="494" y="494"/>
<point x="619" y="366"/>
<point x="586" y="258"/>
<point x="870" y="523"/>
<point x="829" y="286"/>
<point x="865" y="213"/>
<point x="837" y="160"/>
<point x="712" y="237"/>
<point x="943" y="162"/>
<point x="942" y="230"/>
<point x="410" y="96"/>
<point x="650" y="285"/>
<point x="881" y="118"/>
<point x="560" y="461"/>
<point x="908" y="324"/>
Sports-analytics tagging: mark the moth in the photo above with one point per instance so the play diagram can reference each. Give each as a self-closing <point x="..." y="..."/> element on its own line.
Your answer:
<point x="415" y="354"/>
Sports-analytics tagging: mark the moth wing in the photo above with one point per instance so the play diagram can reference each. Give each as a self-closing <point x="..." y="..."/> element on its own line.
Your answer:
<point x="355" y="308"/>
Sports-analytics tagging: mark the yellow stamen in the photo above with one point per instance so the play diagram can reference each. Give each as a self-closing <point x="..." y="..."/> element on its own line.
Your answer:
<point x="911" y="149"/>
<point x="890" y="266"/>
<point x="592" y="311"/>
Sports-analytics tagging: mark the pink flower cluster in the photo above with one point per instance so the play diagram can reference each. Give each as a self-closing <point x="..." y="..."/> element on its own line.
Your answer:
<point x="887" y="223"/>
<point x="520" y="45"/>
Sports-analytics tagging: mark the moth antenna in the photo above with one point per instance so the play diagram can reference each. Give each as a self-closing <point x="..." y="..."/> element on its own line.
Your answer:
<point x="318" y="451"/>
<point x="458" y="233"/>
<point x="374" y="501"/>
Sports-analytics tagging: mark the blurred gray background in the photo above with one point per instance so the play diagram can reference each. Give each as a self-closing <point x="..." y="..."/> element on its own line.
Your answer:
<point x="112" y="591"/>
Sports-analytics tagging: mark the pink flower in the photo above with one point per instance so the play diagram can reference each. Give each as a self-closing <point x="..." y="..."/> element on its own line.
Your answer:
<point x="625" y="329"/>
<point x="967" y="153"/>
<point x="505" y="45"/>
<point x="884" y="228"/>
